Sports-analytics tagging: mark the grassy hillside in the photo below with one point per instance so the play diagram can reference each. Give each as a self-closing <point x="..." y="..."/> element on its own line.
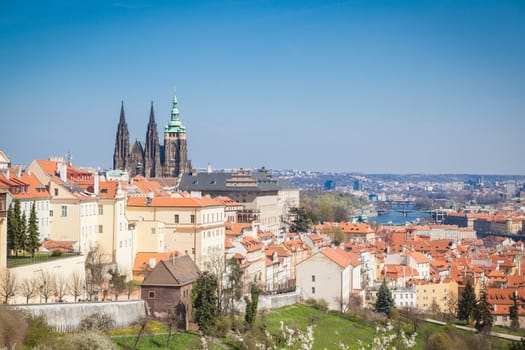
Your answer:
<point x="330" y="329"/>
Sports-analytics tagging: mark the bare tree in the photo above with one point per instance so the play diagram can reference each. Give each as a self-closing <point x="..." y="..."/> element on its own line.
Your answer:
<point x="76" y="285"/>
<point x="46" y="285"/>
<point x="61" y="288"/>
<point x="452" y="304"/>
<point x="131" y="286"/>
<point x="29" y="288"/>
<point x="95" y="264"/>
<point x="8" y="285"/>
<point x="143" y="325"/>
<point x="216" y="264"/>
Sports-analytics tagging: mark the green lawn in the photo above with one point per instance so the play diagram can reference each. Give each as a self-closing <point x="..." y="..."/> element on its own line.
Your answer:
<point x="179" y="341"/>
<point x="330" y="329"/>
<point x="333" y="328"/>
<point x="14" y="261"/>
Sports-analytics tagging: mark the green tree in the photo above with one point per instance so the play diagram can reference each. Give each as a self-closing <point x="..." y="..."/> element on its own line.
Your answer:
<point x="22" y="232"/>
<point x="467" y="303"/>
<point x="33" y="236"/>
<point x="517" y="345"/>
<point x="340" y="213"/>
<point x="11" y="230"/>
<point x="38" y="330"/>
<point x="513" y="312"/>
<point x="335" y="233"/>
<point x="204" y="301"/>
<point x="251" y="305"/>
<point x="15" y="228"/>
<point x="117" y="282"/>
<point x="482" y="313"/>
<point x="384" y="301"/>
<point x="300" y="222"/>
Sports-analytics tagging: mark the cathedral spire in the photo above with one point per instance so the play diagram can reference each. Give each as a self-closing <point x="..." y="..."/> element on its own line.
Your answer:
<point x="175" y="109"/>
<point x="122" y="114"/>
<point x="152" y="115"/>
<point x="121" y="153"/>
<point x="175" y="124"/>
<point x="152" y="148"/>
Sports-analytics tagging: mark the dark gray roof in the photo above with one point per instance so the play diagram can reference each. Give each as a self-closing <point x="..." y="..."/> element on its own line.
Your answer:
<point x="218" y="182"/>
<point x="176" y="271"/>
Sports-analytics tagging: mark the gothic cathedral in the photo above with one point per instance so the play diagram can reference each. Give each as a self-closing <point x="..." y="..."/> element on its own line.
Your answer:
<point x="150" y="159"/>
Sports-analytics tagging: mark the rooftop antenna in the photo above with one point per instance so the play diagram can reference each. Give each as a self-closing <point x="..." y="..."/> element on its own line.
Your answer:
<point x="69" y="157"/>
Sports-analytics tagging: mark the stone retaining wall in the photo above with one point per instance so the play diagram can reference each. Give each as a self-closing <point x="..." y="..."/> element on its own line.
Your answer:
<point x="66" y="317"/>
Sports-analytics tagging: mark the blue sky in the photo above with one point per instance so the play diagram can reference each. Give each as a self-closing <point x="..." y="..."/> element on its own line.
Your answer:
<point x="359" y="86"/>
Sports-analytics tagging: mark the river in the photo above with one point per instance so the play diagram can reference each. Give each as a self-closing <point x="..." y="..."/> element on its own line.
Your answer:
<point x="397" y="218"/>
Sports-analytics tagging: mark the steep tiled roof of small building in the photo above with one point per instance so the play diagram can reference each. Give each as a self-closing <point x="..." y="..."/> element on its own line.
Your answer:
<point x="176" y="271"/>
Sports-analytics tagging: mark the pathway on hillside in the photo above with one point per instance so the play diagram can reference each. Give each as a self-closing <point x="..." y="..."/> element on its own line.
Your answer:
<point x="471" y="329"/>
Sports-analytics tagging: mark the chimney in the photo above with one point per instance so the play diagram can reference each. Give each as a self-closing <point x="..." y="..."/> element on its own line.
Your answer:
<point x="150" y="198"/>
<point x="96" y="184"/>
<point x="62" y="171"/>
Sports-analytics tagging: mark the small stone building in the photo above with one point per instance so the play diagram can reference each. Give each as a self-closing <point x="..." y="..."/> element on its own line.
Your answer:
<point x="167" y="290"/>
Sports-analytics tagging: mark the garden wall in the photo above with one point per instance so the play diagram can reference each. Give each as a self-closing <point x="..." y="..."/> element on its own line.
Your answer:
<point x="66" y="317"/>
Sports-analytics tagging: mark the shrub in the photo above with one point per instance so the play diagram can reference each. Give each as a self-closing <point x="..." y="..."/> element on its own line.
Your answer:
<point x="223" y="327"/>
<point x="38" y="331"/>
<point x="56" y="252"/>
<point x="438" y="341"/>
<point x="12" y="328"/>
<point x="97" y="322"/>
<point x="319" y="304"/>
<point x="81" y="341"/>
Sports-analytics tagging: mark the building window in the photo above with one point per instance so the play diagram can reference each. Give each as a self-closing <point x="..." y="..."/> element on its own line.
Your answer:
<point x="151" y="294"/>
<point x="56" y="191"/>
<point x="313" y="290"/>
<point x="192" y="219"/>
<point x="51" y="213"/>
<point x="63" y="210"/>
<point x="100" y="228"/>
<point x="100" y="210"/>
<point x="153" y="230"/>
<point x="313" y="278"/>
<point x="176" y="218"/>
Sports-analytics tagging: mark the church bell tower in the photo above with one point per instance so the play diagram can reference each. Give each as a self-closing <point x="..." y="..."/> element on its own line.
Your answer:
<point x="175" y="147"/>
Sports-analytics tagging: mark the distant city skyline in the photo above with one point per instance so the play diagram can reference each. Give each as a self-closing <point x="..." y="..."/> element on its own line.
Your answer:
<point x="345" y="86"/>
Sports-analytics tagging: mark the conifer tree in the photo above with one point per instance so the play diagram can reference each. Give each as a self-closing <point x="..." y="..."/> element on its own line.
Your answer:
<point x="513" y="312"/>
<point x="12" y="227"/>
<point x="33" y="236"/>
<point x="384" y="301"/>
<point x="300" y="221"/>
<point x="204" y="301"/>
<point x="251" y="305"/>
<point x="22" y="232"/>
<point x="15" y="228"/>
<point x="482" y="313"/>
<point x="467" y="303"/>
